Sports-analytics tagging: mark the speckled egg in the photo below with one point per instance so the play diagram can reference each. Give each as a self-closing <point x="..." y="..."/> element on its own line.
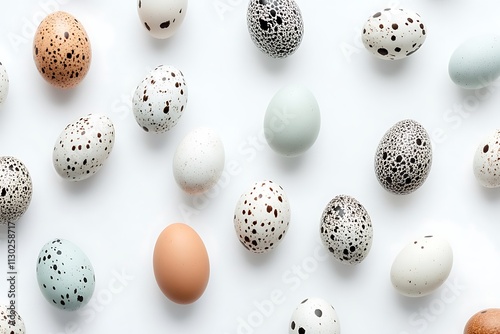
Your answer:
<point x="162" y="18"/>
<point x="10" y="321"/>
<point x="422" y="266"/>
<point x="404" y="157"/>
<point x="65" y="275"/>
<point x="262" y="217"/>
<point x="275" y="26"/>
<point x="61" y="50"/>
<point x="314" y="316"/>
<point x="4" y="83"/>
<point x="16" y="189"/>
<point x="160" y="99"/>
<point x="346" y="230"/>
<point x="83" y="147"/>
<point x="394" y="33"/>
<point x="486" y="163"/>
<point x="484" y="322"/>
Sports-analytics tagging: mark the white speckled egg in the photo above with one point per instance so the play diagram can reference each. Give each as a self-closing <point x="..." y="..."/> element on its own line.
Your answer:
<point x="4" y="83"/>
<point x="346" y="230"/>
<point x="83" y="147"/>
<point x="65" y="275"/>
<point x="422" y="266"/>
<point x="314" y="316"/>
<point x="199" y="160"/>
<point x="476" y="62"/>
<point x="393" y="33"/>
<point x="262" y="216"/>
<point x="159" y="100"/>
<point x="486" y="164"/>
<point x="404" y="157"/>
<point x="16" y="189"/>
<point x="162" y="18"/>
<point x="275" y="26"/>
<point x="11" y="322"/>
<point x="292" y="121"/>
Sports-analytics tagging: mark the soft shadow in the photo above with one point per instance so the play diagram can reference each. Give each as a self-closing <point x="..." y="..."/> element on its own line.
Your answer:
<point x="412" y="304"/>
<point x="60" y="96"/>
<point x="342" y="270"/>
<point x="397" y="201"/>
<point x="83" y="186"/>
<point x="289" y="164"/>
<point x="389" y="68"/>
<point x="272" y="65"/>
<point x="155" y="141"/>
<point x="258" y="260"/>
<point x="490" y="194"/>
<point x="177" y="311"/>
<point x="160" y="45"/>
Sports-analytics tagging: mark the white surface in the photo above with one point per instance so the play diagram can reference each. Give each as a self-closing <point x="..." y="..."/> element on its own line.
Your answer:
<point x="116" y="216"/>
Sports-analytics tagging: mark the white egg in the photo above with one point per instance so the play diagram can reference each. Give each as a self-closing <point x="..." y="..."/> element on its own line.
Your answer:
<point x="4" y="83"/>
<point x="162" y="18"/>
<point x="486" y="164"/>
<point x="199" y="161"/>
<point x="10" y="321"/>
<point x="314" y="316"/>
<point x="422" y="266"/>
<point x="83" y="146"/>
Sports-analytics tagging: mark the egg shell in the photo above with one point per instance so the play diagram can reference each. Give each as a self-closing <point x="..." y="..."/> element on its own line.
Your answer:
<point x="422" y="266"/>
<point x="292" y="121"/>
<point x="484" y="322"/>
<point x="61" y="50"/>
<point x="275" y="26"/>
<point x="404" y="157"/>
<point x="199" y="160"/>
<point x="181" y="264"/>
<point x="262" y="216"/>
<point x="8" y="325"/>
<point x="346" y="230"/>
<point x="476" y="62"/>
<point x="486" y="163"/>
<point x="162" y="18"/>
<point x="16" y="189"/>
<point x="4" y="83"/>
<point x="159" y="100"/>
<point x="83" y="146"/>
<point x="314" y="316"/>
<point x="394" y="33"/>
<point x="65" y="275"/>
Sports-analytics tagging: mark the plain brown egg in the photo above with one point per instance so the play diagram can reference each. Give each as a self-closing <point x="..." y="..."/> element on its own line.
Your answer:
<point x="181" y="265"/>
<point x="484" y="322"/>
<point x="61" y="50"/>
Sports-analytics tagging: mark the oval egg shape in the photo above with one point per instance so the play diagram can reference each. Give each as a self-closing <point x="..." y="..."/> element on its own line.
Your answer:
<point x="65" y="275"/>
<point x="476" y="62"/>
<point x="162" y="18"/>
<point x="10" y="321"/>
<point x="484" y="322"/>
<point x="199" y="161"/>
<point x="275" y="26"/>
<point x="346" y="230"/>
<point x="4" y="83"/>
<point x="61" y="50"/>
<point x="486" y="163"/>
<point x="394" y="33"/>
<point x="314" y="315"/>
<point x="262" y="216"/>
<point x="16" y="189"/>
<point x="160" y="99"/>
<point x="83" y="146"/>
<point x="292" y="121"/>
<point x="422" y="266"/>
<point x="403" y="158"/>
<point x="181" y="264"/>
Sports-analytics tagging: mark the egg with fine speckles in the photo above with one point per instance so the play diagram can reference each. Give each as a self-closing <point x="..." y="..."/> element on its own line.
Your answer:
<point x="394" y="33"/>
<point x="314" y="316"/>
<point x="162" y="18"/>
<point x="65" y="275"/>
<point x="11" y="322"/>
<point x="346" y="229"/>
<point x="4" y="83"/>
<point x="61" y="50"/>
<point x="484" y="322"/>
<point x="16" y="189"/>
<point x="262" y="216"/>
<point x="486" y="163"/>
<point x="83" y="146"/>
<point x="160" y="99"/>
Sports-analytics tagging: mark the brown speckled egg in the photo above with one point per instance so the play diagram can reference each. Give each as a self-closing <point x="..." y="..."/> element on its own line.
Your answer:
<point x="484" y="322"/>
<point x="61" y="50"/>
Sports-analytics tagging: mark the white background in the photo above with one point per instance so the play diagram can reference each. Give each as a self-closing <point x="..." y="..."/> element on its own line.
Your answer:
<point x="116" y="216"/>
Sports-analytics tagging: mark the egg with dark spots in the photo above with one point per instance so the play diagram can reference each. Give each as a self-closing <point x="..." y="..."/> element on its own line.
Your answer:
<point x="404" y="157"/>
<point x="160" y="99"/>
<point x="162" y="18"/>
<point x="262" y="217"/>
<point x="314" y="316"/>
<point x="484" y="322"/>
<point x="65" y="275"/>
<point x="10" y="321"/>
<point x="486" y="163"/>
<point x="83" y="146"/>
<point x="275" y="26"/>
<point x="4" y="83"/>
<point x="346" y="230"/>
<point x="61" y="50"/>
<point x="16" y="189"/>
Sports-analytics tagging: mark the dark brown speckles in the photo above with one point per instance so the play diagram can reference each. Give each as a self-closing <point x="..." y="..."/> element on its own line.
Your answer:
<point x="15" y="189"/>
